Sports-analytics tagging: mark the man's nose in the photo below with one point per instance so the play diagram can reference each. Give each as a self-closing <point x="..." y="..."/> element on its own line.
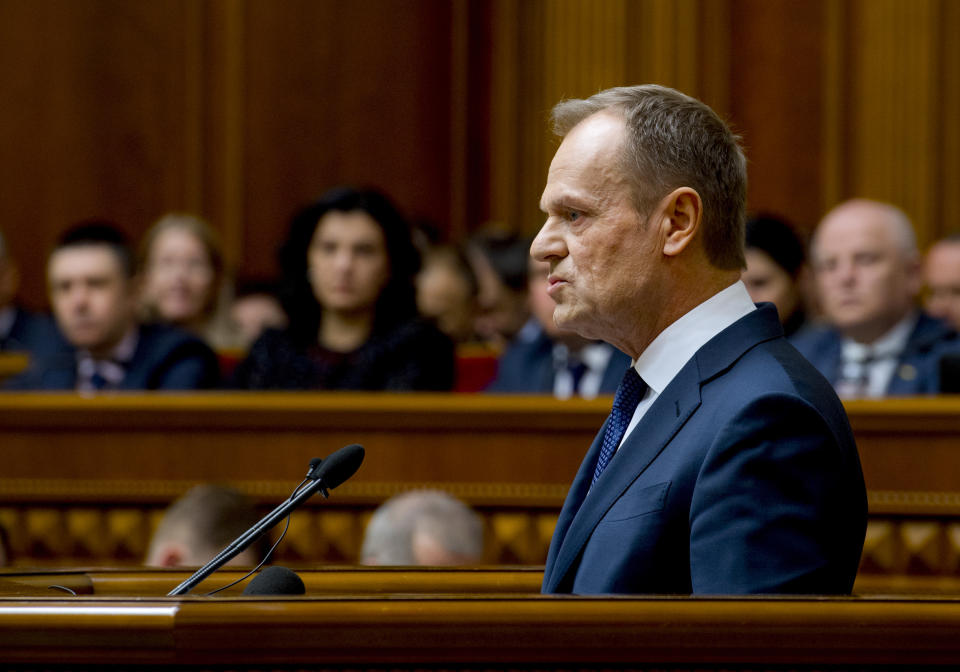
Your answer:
<point x="548" y="242"/>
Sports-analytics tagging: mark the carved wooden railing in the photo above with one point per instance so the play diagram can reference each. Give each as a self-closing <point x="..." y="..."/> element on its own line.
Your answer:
<point x="85" y="479"/>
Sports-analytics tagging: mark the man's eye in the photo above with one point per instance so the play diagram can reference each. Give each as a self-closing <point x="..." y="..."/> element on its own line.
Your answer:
<point x="573" y="215"/>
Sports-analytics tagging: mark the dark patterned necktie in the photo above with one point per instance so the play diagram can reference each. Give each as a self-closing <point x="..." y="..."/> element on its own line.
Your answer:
<point x="631" y="390"/>
<point x="98" y="381"/>
<point x="577" y="370"/>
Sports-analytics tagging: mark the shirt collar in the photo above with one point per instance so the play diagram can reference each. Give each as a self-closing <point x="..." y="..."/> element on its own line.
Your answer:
<point x="123" y="352"/>
<point x="675" y="345"/>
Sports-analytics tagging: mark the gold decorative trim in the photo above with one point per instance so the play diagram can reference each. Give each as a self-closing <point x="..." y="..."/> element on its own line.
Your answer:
<point x="905" y="502"/>
<point x="64" y="491"/>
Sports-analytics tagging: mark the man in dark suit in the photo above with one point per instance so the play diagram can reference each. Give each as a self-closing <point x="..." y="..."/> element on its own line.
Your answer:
<point x="876" y="341"/>
<point x="727" y="464"/>
<point x="544" y="359"/>
<point x="92" y="289"/>
<point x="20" y="330"/>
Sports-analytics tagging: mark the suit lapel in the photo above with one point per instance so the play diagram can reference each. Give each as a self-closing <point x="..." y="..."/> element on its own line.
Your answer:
<point x="571" y="505"/>
<point x="660" y="423"/>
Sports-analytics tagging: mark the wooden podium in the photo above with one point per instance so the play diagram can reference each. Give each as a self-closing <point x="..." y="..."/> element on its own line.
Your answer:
<point x="497" y="625"/>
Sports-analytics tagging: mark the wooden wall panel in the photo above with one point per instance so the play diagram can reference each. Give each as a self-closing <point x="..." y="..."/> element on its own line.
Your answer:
<point x="892" y="105"/>
<point x="891" y="78"/>
<point x="338" y="93"/>
<point x="100" y="118"/>
<point x="776" y="102"/>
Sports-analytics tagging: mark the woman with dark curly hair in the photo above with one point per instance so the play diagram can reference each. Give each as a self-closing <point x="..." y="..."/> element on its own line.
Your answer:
<point x="349" y="266"/>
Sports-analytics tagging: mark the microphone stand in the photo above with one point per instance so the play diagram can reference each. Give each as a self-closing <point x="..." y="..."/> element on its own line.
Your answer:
<point x="251" y="535"/>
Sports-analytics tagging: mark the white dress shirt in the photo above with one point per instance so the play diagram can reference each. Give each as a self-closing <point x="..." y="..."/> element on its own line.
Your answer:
<point x="866" y="370"/>
<point x="674" y="346"/>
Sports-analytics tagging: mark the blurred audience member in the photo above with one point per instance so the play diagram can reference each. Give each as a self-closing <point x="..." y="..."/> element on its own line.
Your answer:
<point x="92" y="288"/>
<point x="775" y="263"/>
<point x="182" y="277"/>
<point x="423" y="527"/>
<point x="200" y="524"/>
<point x="499" y="261"/>
<point x="447" y="292"/>
<point x="256" y="307"/>
<point x="349" y="265"/>
<point x="20" y="330"/>
<point x="542" y="358"/>
<point x="867" y="271"/>
<point x="941" y="272"/>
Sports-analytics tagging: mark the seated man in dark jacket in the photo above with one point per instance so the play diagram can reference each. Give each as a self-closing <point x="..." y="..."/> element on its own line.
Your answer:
<point x="877" y="342"/>
<point x="92" y="289"/>
<point x="544" y="359"/>
<point x="20" y="330"/>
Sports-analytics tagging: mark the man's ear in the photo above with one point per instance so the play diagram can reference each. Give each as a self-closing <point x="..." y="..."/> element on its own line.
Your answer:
<point x="681" y="211"/>
<point x="169" y="554"/>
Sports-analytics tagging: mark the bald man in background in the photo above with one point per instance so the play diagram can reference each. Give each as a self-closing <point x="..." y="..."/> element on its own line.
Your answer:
<point x="867" y="270"/>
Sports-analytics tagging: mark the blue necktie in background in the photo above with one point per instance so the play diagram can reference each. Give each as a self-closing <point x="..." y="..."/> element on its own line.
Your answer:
<point x="631" y="390"/>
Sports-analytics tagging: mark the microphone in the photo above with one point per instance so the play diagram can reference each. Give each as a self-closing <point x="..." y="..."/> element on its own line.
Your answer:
<point x="275" y="580"/>
<point x="328" y="474"/>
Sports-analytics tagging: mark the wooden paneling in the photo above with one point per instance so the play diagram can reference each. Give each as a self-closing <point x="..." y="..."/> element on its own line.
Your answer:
<point x="776" y="103"/>
<point x="891" y="78"/>
<point x="343" y="93"/>
<point x="100" y="118"/>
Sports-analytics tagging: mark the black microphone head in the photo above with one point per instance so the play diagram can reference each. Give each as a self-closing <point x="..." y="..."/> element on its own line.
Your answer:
<point x="275" y="580"/>
<point x="340" y="466"/>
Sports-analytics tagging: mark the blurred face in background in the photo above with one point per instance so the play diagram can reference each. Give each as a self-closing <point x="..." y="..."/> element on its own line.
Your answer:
<point x="347" y="262"/>
<point x="766" y="280"/>
<point x="941" y="273"/>
<point x="446" y="296"/>
<point x="93" y="301"/>
<point x="866" y="279"/>
<point x="179" y="277"/>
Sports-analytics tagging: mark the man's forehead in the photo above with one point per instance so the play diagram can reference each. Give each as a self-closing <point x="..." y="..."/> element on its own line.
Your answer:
<point x="856" y="227"/>
<point x="84" y="259"/>
<point x="587" y="167"/>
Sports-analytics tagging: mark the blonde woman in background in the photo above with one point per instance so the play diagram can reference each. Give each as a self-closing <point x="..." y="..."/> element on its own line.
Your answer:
<point x="183" y="278"/>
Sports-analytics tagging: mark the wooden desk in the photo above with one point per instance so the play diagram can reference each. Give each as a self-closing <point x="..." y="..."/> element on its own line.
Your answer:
<point x="84" y="479"/>
<point x="496" y="632"/>
<point x="12" y="363"/>
<point x="143" y="582"/>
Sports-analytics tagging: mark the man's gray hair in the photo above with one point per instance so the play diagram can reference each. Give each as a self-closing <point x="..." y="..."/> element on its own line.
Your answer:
<point x="389" y="536"/>
<point x="675" y="141"/>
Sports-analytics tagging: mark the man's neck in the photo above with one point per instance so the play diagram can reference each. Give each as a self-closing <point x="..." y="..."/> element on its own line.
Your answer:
<point x="690" y="293"/>
<point x="868" y="334"/>
<point x="110" y="350"/>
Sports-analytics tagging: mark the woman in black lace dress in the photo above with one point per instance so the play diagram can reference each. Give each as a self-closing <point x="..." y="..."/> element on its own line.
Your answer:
<point x="349" y="265"/>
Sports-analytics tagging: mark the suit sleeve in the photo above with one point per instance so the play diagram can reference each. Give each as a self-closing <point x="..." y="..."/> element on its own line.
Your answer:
<point x="191" y="366"/>
<point x="779" y="504"/>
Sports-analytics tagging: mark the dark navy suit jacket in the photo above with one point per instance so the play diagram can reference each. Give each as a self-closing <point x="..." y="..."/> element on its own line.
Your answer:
<point x="32" y="333"/>
<point x="917" y="369"/>
<point x="527" y="366"/>
<point x="742" y="477"/>
<point x="166" y="358"/>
